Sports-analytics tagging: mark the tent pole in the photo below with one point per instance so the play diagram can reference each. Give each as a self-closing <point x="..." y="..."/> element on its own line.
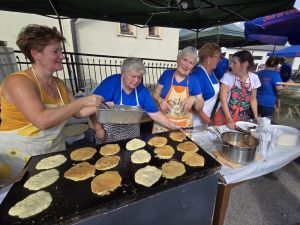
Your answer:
<point x="71" y="75"/>
<point x="218" y="39"/>
<point x="274" y="49"/>
<point x="196" y="43"/>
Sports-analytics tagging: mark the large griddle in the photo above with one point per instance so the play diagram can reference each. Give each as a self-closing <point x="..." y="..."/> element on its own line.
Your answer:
<point x="74" y="201"/>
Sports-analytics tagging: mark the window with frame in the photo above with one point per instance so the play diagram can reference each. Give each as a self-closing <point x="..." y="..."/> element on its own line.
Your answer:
<point x="153" y="32"/>
<point x="126" y="29"/>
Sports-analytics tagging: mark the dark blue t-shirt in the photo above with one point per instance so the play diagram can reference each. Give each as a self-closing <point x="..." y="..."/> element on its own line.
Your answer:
<point x="266" y="93"/>
<point x="166" y="80"/>
<point x="221" y="68"/>
<point x="204" y="82"/>
<point x="285" y="72"/>
<point x="110" y="90"/>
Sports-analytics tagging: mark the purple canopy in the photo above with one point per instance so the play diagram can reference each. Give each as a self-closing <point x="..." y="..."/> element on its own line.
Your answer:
<point x="275" y="29"/>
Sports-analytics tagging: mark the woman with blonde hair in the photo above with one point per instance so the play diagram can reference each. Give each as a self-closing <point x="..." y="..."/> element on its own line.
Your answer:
<point x="209" y="56"/>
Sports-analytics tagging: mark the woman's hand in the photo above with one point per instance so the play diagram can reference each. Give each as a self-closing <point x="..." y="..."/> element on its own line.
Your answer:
<point x="188" y="103"/>
<point x="164" y="106"/>
<point x="230" y="123"/>
<point x="91" y="100"/>
<point x="100" y="133"/>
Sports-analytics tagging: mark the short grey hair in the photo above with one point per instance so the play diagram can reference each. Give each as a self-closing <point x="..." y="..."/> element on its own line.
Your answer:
<point x="188" y="51"/>
<point x="133" y="64"/>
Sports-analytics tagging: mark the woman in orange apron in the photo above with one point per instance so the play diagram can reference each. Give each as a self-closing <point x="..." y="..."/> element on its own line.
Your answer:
<point x="238" y="92"/>
<point x="177" y="92"/>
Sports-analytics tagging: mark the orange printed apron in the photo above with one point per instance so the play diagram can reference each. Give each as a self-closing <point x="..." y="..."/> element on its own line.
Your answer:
<point x="175" y="98"/>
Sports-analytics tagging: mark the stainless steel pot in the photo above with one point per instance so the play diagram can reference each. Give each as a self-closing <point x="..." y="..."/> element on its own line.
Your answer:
<point x="239" y="147"/>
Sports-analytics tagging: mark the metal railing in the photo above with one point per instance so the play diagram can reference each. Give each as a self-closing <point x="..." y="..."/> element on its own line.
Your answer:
<point x="86" y="71"/>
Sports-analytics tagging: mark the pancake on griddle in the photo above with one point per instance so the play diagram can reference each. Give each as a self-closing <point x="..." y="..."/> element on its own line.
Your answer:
<point x="109" y="149"/>
<point x="51" y="162"/>
<point x="187" y="146"/>
<point x="158" y="141"/>
<point x="164" y="152"/>
<point x="42" y="180"/>
<point x="140" y="156"/>
<point x="178" y="136"/>
<point x="172" y="169"/>
<point x="31" y="205"/>
<point x="106" y="182"/>
<point x="107" y="162"/>
<point x="80" y="171"/>
<point x="135" y="144"/>
<point x="193" y="159"/>
<point x="147" y="176"/>
<point x="82" y="154"/>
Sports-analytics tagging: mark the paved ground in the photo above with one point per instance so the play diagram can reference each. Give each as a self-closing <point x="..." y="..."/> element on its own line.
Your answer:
<point x="273" y="199"/>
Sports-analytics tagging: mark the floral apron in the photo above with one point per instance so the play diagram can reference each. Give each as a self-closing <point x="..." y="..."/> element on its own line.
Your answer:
<point x="17" y="146"/>
<point x="238" y="104"/>
<point x="175" y="99"/>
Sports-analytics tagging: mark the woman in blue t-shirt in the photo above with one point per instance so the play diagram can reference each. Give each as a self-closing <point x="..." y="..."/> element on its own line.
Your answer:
<point x="177" y="92"/>
<point x="127" y="89"/>
<point x="267" y="92"/>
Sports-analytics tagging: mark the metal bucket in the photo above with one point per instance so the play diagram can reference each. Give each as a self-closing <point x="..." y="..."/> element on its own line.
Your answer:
<point x="119" y="114"/>
<point x="239" y="147"/>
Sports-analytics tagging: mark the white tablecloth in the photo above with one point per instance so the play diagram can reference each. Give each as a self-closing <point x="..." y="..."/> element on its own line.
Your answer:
<point x="275" y="159"/>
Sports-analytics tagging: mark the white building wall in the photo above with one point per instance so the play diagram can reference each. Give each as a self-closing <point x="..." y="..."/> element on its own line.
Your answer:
<point x="99" y="37"/>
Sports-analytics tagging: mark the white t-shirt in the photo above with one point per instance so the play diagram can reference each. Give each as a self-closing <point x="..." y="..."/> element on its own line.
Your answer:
<point x="229" y="79"/>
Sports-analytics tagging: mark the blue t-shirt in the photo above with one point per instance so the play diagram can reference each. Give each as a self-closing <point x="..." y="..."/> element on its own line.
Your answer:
<point x="110" y="90"/>
<point x="204" y="82"/>
<point x="266" y="93"/>
<point x="221" y="68"/>
<point x="285" y="72"/>
<point x="166" y="80"/>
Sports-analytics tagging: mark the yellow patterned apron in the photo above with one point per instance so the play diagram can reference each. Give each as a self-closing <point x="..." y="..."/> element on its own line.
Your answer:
<point x="175" y="99"/>
<point x="17" y="146"/>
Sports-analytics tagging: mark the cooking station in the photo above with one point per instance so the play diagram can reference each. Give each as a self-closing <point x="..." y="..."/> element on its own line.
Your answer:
<point x="188" y="199"/>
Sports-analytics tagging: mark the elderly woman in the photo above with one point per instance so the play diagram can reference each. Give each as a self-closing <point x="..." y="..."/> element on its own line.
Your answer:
<point x="267" y="92"/>
<point x="35" y="105"/>
<point x="209" y="56"/>
<point x="238" y="92"/>
<point x="127" y="89"/>
<point x="177" y="92"/>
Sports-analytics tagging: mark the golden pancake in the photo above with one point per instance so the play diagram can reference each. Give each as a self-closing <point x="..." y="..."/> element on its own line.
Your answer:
<point x="187" y="146"/>
<point x="178" y="136"/>
<point x="51" y="162"/>
<point x="106" y="182"/>
<point x="193" y="159"/>
<point x="81" y="171"/>
<point x="82" y="154"/>
<point x="135" y="144"/>
<point x="107" y="162"/>
<point x="109" y="149"/>
<point x="140" y="156"/>
<point x="158" y="141"/>
<point x="31" y="205"/>
<point x="164" y="152"/>
<point x="147" y="176"/>
<point x="172" y="169"/>
<point x="42" y="179"/>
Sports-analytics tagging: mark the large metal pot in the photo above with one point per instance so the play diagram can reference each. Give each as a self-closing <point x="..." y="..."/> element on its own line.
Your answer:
<point x="239" y="147"/>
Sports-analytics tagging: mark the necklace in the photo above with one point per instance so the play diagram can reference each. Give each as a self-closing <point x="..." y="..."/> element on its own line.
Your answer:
<point x="51" y="89"/>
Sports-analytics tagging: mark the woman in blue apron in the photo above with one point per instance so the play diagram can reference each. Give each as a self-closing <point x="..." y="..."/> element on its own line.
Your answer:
<point x="127" y="89"/>
<point x="35" y="105"/>
<point x="209" y="55"/>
